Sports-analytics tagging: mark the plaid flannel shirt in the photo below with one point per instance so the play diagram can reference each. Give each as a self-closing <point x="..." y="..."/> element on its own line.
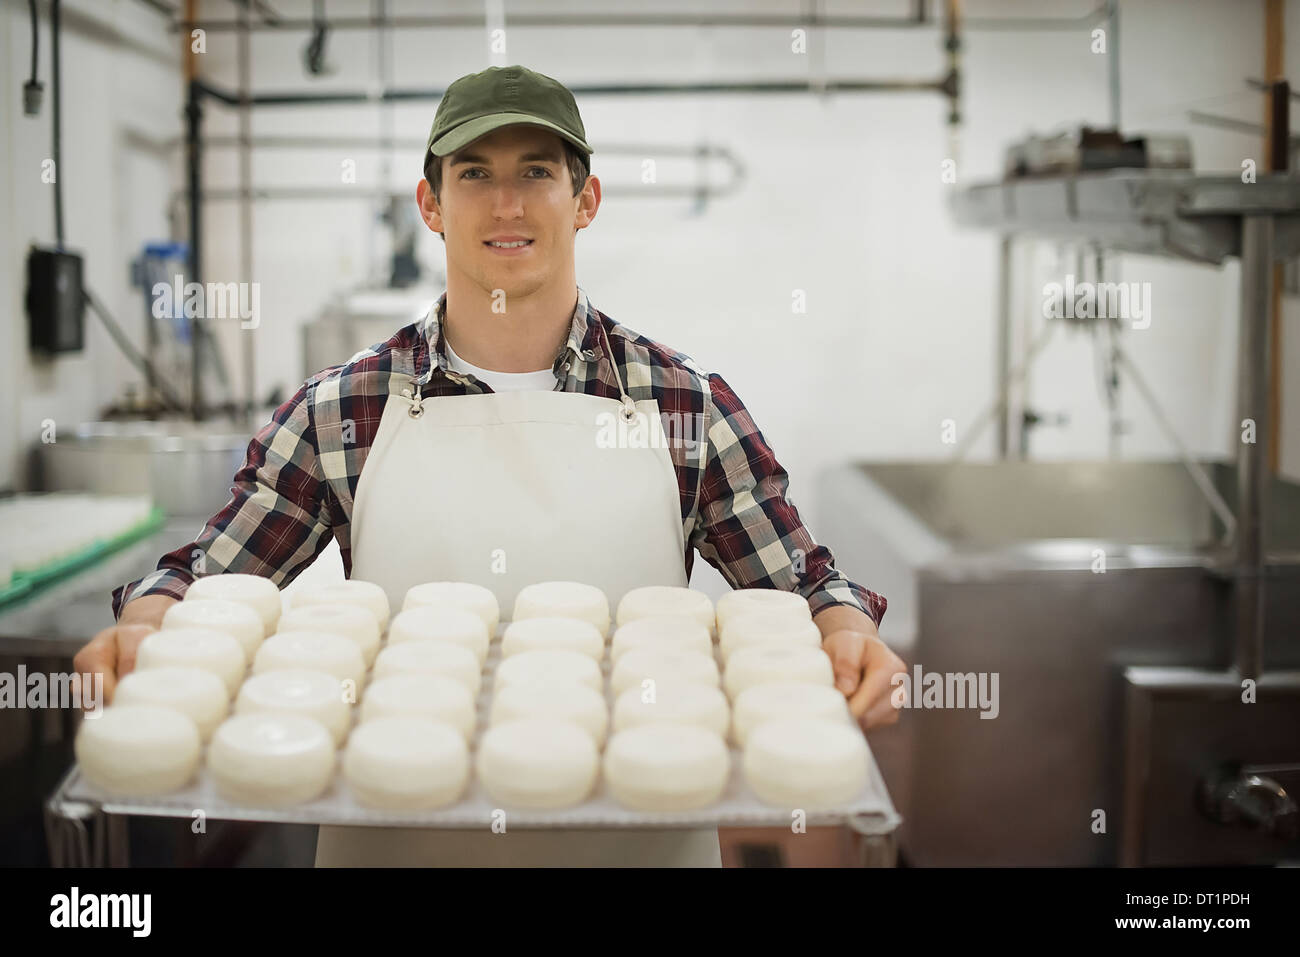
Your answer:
<point x="297" y="483"/>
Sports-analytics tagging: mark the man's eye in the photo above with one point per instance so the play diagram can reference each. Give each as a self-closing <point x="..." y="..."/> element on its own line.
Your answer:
<point x="478" y="169"/>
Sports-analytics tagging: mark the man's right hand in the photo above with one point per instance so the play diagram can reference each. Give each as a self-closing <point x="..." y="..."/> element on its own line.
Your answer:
<point x="112" y="651"/>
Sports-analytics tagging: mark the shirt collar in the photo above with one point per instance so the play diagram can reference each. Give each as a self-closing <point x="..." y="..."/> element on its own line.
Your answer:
<point x="583" y="342"/>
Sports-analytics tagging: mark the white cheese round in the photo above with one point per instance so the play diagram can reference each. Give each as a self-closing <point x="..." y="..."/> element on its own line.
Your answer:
<point x="443" y="622"/>
<point x="653" y="601"/>
<point x="219" y="614"/>
<point x="314" y="694"/>
<point x="271" y="760"/>
<point x="754" y="628"/>
<point x="785" y="699"/>
<point x="768" y="600"/>
<point x="662" y="664"/>
<point x="205" y="648"/>
<point x="435" y="697"/>
<point x="671" y="632"/>
<point x="197" y="693"/>
<point x="476" y="598"/>
<point x="431" y="656"/>
<point x="313" y="651"/>
<point x="258" y="593"/>
<point x="406" y="763"/>
<point x="666" y="767"/>
<point x="549" y="666"/>
<point x="538" y="763"/>
<point x="363" y="594"/>
<point x="657" y="601"/>
<point x="578" y="703"/>
<point x="776" y="661"/>
<point x="679" y="702"/>
<point x="350" y="621"/>
<point x="563" y="600"/>
<point x="806" y="763"/>
<point x="548" y="634"/>
<point x="138" y="749"/>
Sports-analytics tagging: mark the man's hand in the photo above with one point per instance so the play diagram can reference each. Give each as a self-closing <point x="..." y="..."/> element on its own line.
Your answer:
<point x="864" y="665"/>
<point x="112" y="651"/>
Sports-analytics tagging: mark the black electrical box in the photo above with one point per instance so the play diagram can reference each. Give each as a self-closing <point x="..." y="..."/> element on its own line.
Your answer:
<point x="56" y="306"/>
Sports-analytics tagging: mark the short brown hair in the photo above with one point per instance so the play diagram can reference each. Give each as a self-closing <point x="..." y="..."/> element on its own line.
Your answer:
<point x="575" y="159"/>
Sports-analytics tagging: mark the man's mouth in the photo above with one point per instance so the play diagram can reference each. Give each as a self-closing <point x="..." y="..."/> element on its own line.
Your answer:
<point x="515" y="244"/>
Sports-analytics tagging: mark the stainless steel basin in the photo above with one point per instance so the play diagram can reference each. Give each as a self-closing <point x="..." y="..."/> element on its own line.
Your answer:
<point x="992" y="568"/>
<point x="186" y="467"/>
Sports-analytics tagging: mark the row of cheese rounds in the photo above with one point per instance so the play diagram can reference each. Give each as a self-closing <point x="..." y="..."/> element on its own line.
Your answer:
<point x="670" y="717"/>
<point x="296" y="707"/>
<point x="417" y="716"/>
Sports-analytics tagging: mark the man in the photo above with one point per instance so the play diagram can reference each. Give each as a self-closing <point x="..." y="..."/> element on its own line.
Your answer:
<point x="475" y="445"/>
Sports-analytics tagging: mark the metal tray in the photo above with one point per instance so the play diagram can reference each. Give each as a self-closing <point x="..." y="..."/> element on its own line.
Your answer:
<point x="870" y="812"/>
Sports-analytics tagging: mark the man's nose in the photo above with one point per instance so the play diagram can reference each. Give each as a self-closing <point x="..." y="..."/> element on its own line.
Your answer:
<point x="507" y="201"/>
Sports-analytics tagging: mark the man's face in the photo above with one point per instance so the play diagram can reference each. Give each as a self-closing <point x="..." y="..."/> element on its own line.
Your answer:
<point x="509" y="186"/>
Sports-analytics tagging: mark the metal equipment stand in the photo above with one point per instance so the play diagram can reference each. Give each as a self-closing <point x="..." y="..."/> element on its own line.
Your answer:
<point x="1201" y="219"/>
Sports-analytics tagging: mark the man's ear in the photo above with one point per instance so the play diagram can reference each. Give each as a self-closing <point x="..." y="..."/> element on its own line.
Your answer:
<point x="429" y="208"/>
<point x="588" y="203"/>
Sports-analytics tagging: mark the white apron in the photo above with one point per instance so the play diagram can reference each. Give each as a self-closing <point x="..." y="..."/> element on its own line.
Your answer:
<point x="503" y="490"/>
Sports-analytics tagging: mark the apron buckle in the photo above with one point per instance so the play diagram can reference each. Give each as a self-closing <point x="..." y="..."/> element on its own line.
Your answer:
<point x="413" y="393"/>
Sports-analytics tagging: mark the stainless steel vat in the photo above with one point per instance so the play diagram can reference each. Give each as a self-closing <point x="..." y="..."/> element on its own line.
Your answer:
<point x="990" y="568"/>
<point x="360" y="319"/>
<point x="187" y="468"/>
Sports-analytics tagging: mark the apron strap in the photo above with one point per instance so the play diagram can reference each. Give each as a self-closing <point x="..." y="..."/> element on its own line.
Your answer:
<point x="629" y="407"/>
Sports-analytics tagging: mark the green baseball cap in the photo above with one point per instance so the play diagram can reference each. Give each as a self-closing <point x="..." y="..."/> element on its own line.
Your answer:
<point x="479" y="103"/>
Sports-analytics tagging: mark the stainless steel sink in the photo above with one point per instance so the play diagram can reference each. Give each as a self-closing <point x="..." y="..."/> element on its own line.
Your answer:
<point x="993" y="568"/>
<point x="186" y="467"/>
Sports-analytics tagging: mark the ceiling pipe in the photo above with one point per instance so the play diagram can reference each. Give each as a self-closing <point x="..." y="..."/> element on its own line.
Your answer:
<point x="914" y="20"/>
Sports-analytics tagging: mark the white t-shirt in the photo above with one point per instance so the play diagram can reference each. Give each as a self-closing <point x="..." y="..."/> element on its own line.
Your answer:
<point x="543" y="379"/>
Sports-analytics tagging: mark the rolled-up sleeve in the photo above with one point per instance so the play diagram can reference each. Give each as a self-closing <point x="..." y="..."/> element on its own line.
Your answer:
<point x="748" y="529"/>
<point x="276" y="522"/>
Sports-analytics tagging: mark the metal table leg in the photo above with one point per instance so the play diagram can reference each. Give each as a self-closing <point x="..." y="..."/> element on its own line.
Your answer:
<point x="116" y="840"/>
<point x="70" y="829"/>
<point x="877" y="845"/>
<point x="79" y="834"/>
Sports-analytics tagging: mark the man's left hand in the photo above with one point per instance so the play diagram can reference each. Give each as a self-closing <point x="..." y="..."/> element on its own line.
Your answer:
<point x="864" y="666"/>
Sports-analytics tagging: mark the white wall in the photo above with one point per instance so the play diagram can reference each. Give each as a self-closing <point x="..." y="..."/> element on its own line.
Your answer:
<point x="842" y="199"/>
<point x="119" y="77"/>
